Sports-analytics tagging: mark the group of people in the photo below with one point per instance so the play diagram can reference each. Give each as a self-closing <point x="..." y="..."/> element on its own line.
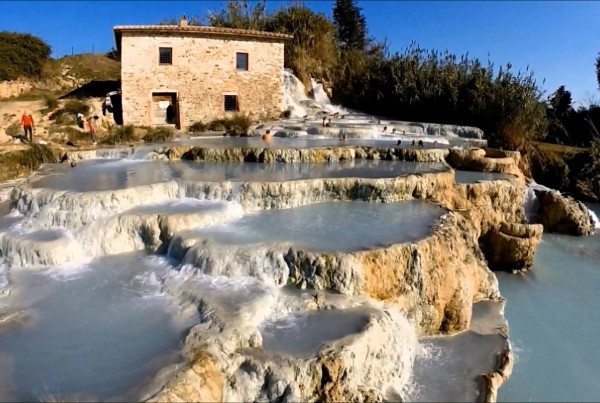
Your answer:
<point x="27" y="124"/>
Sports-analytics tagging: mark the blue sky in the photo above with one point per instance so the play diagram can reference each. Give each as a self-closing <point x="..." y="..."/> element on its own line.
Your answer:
<point x="558" y="40"/>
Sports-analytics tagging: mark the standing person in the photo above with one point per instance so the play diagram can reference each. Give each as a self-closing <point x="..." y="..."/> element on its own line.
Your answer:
<point x="27" y="125"/>
<point x="90" y="122"/>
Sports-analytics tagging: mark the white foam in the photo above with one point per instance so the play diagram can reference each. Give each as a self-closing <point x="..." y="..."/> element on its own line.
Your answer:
<point x="595" y="219"/>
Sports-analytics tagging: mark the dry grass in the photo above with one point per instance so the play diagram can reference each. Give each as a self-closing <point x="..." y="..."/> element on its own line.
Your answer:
<point x="85" y="66"/>
<point x="21" y="163"/>
<point x="557" y="148"/>
<point x="159" y="134"/>
<point x="119" y="135"/>
<point x="237" y="125"/>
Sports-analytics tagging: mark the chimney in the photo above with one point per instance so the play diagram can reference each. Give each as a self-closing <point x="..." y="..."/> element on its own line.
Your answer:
<point x="183" y="21"/>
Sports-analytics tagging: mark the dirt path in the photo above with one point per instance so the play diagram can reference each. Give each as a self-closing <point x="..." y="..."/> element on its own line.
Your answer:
<point x="11" y="111"/>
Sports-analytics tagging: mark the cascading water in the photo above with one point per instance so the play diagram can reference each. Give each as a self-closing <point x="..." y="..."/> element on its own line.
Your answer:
<point x="530" y="201"/>
<point x="293" y="94"/>
<point x="319" y="93"/>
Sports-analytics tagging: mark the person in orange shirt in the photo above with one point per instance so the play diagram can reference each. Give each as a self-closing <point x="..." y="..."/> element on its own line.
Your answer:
<point x="27" y="125"/>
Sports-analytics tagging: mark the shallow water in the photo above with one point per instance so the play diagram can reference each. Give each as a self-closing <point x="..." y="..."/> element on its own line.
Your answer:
<point x="96" y="332"/>
<point x="331" y="226"/>
<point x="313" y="141"/>
<point x="554" y="322"/>
<point x="96" y="175"/>
<point x="473" y="176"/>
<point x="449" y="369"/>
<point x="302" y="334"/>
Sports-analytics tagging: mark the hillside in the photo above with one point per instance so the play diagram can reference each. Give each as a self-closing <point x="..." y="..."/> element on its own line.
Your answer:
<point x="59" y="76"/>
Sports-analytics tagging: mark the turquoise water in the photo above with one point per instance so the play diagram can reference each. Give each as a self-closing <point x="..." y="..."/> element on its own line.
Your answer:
<point x="95" y="175"/>
<point x="554" y="322"/>
<point x="331" y="226"/>
<point x="92" y="333"/>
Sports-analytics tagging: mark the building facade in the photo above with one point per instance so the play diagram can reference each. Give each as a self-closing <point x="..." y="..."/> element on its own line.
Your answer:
<point x="180" y="74"/>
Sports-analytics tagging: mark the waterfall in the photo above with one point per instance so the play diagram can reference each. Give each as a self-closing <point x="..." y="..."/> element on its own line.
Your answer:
<point x="595" y="219"/>
<point x="293" y="93"/>
<point x="530" y="201"/>
<point x="319" y="93"/>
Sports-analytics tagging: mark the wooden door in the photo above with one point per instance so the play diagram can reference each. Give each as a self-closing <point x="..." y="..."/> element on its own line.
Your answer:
<point x="160" y="103"/>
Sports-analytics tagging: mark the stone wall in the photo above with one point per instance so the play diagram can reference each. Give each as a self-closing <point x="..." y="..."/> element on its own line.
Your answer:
<point x="203" y="71"/>
<point x="13" y="88"/>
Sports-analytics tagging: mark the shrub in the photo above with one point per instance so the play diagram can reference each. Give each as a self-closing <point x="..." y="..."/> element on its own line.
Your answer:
<point x="51" y="102"/>
<point x="236" y="125"/>
<point x="13" y="130"/>
<point x="197" y="127"/>
<point x="20" y="163"/>
<point x="216" y="125"/>
<point x="75" y="106"/>
<point x="595" y="153"/>
<point x="120" y="134"/>
<point x="61" y="117"/>
<point x="21" y="55"/>
<point x="159" y="134"/>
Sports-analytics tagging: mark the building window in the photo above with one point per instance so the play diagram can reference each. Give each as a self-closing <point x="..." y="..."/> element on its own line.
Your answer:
<point x="241" y="61"/>
<point x="230" y="103"/>
<point x="165" y="55"/>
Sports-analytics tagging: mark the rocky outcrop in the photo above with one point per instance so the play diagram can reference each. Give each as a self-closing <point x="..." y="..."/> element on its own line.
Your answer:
<point x="563" y="214"/>
<point x="317" y="154"/>
<point x="511" y="247"/>
<point x="488" y="160"/>
<point x="429" y="285"/>
<point x="414" y="276"/>
<point x="201" y="382"/>
<point x="354" y="366"/>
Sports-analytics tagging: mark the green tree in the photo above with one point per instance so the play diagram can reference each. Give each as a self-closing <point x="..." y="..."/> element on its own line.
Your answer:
<point x="312" y="52"/>
<point x="21" y="55"/>
<point x="561" y="101"/>
<point x="239" y="14"/>
<point x="350" y="24"/>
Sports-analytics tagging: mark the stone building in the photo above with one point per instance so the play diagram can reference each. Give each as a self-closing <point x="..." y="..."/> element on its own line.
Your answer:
<point x="180" y="74"/>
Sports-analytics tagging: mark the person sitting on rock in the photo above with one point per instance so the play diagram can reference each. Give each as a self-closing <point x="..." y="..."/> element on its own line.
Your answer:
<point x="328" y="124"/>
<point x="324" y="119"/>
<point x="384" y="129"/>
<point x="399" y="142"/>
<point x="421" y="144"/>
<point x="343" y="136"/>
<point x="413" y="142"/>
<point x="394" y="130"/>
<point x="267" y="135"/>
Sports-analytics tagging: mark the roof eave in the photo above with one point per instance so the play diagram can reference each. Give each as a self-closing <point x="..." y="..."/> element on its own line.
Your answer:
<point x="118" y="30"/>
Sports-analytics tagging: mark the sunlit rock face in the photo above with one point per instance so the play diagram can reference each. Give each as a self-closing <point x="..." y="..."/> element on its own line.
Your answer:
<point x="563" y="214"/>
<point x="293" y="315"/>
<point x="512" y="247"/>
<point x="488" y="160"/>
<point x="317" y="154"/>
